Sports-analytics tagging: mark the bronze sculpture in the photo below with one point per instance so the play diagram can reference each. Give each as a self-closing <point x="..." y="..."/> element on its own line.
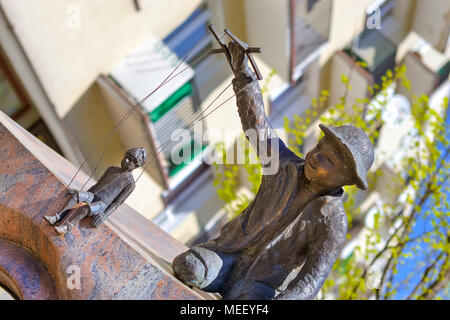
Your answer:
<point x="291" y="233"/>
<point x="110" y="191"/>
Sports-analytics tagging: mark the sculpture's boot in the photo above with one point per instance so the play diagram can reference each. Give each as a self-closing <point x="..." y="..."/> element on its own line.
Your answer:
<point x="189" y="269"/>
<point x="62" y="229"/>
<point x="197" y="267"/>
<point x="52" y="219"/>
<point x="75" y="197"/>
<point x="57" y="217"/>
<point x="73" y="200"/>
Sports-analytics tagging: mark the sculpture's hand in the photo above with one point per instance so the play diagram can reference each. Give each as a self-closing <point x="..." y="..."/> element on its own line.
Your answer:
<point x="98" y="219"/>
<point x="238" y="57"/>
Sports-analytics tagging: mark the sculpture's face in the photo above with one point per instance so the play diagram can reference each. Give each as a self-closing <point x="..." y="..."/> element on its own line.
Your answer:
<point x="325" y="165"/>
<point x="129" y="163"/>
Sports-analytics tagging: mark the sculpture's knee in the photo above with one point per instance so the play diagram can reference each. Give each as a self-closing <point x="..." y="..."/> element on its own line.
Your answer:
<point x="197" y="267"/>
<point x="85" y="196"/>
<point x="189" y="269"/>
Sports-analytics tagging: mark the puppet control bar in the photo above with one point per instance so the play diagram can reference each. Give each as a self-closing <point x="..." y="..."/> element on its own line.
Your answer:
<point x="242" y="44"/>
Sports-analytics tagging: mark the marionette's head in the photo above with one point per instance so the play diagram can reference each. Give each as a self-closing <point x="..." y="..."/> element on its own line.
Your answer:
<point x="134" y="158"/>
<point x="342" y="157"/>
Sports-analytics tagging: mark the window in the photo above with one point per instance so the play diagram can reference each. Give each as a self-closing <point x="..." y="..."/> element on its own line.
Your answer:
<point x="183" y="106"/>
<point x="176" y="104"/>
<point x="178" y="112"/>
<point x="310" y="24"/>
<point x="187" y="35"/>
<point x="376" y="50"/>
<point x="12" y="101"/>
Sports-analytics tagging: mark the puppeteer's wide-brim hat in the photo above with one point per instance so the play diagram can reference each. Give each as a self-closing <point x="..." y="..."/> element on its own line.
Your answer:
<point x="356" y="148"/>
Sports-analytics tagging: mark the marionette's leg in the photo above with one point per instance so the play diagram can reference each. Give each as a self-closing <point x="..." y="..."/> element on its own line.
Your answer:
<point x="75" y="197"/>
<point x="55" y="218"/>
<point x="64" y="228"/>
<point x="98" y="212"/>
<point x="73" y="200"/>
<point x="79" y="212"/>
<point x="203" y="268"/>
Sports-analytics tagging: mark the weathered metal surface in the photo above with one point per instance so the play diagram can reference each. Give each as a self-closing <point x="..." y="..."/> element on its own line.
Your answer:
<point x="23" y="274"/>
<point x="110" y="268"/>
<point x="134" y="226"/>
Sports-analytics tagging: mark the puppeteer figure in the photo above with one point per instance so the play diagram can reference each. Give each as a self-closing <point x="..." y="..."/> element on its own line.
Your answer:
<point x="111" y="190"/>
<point x="284" y="244"/>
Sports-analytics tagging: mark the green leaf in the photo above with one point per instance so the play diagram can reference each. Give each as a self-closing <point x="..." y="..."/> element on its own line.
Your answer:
<point x="344" y="79"/>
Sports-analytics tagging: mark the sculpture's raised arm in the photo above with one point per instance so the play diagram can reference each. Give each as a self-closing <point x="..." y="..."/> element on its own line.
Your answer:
<point x="249" y="100"/>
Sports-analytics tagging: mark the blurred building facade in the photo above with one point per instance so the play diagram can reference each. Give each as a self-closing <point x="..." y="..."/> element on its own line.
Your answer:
<point x="71" y="69"/>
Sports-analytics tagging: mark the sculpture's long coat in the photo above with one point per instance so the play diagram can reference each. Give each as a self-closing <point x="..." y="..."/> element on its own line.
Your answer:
<point x="285" y="230"/>
<point x="274" y="236"/>
<point x="271" y="239"/>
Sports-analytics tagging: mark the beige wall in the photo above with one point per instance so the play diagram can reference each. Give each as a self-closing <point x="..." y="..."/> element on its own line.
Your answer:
<point x="67" y="61"/>
<point x="347" y="20"/>
<point x="134" y="130"/>
<point x="89" y="121"/>
<point x="432" y="22"/>
<point x="234" y="12"/>
<point x="422" y="79"/>
<point x="397" y="25"/>
<point x="88" y="125"/>
<point x="268" y="27"/>
<point x="359" y="79"/>
<point x="403" y="11"/>
<point x="20" y="66"/>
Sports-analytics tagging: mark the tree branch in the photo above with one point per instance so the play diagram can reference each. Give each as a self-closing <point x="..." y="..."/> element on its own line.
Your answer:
<point x="405" y="226"/>
<point x="441" y="281"/>
<point x="427" y="271"/>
